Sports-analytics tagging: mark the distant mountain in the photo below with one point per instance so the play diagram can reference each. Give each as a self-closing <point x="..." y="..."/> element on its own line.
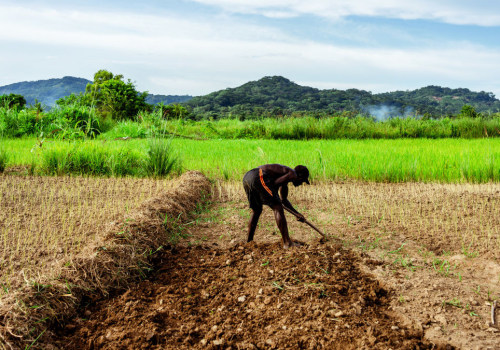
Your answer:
<point x="437" y="100"/>
<point x="46" y="91"/>
<point x="277" y="95"/>
<point x="167" y="99"/>
<point x="49" y="91"/>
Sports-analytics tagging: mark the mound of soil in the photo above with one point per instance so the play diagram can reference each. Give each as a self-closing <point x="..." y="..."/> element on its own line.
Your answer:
<point x="248" y="296"/>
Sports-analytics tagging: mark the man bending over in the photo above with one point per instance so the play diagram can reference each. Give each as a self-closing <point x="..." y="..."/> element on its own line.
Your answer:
<point x="262" y="185"/>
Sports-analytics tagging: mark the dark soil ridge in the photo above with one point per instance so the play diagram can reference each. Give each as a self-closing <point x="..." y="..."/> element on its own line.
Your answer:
<point x="119" y="256"/>
<point x="250" y="296"/>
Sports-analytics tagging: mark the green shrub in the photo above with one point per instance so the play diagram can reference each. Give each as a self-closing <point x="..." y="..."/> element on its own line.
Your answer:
<point x="72" y="120"/>
<point x="54" y="162"/>
<point x="172" y="111"/>
<point x="16" y="123"/>
<point x="12" y="101"/>
<point x="127" y="128"/>
<point x="83" y="158"/>
<point x="468" y="111"/>
<point x="161" y="159"/>
<point x="65" y="122"/>
<point x="89" y="160"/>
<point x="126" y="162"/>
<point x="252" y="130"/>
<point x="4" y="158"/>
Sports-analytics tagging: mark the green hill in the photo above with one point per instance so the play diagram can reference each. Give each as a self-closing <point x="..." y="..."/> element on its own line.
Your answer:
<point x="167" y="99"/>
<point x="46" y="91"/>
<point x="278" y="96"/>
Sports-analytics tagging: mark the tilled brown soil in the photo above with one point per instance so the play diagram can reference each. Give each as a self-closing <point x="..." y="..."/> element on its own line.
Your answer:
<point x="248" y="296"/>
<point x="421" y="271"/>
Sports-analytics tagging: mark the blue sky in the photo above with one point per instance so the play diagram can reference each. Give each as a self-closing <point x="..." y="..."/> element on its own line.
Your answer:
<point x="199" y="46"/>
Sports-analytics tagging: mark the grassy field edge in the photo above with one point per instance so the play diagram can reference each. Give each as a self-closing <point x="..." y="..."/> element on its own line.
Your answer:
<point x="395" y="161"/>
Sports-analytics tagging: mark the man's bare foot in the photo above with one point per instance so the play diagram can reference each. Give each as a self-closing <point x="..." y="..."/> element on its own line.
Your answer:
<point x="291" y="244"/>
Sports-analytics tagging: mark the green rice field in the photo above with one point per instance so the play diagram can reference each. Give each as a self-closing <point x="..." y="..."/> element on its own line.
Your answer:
<point x="400" y="160"/>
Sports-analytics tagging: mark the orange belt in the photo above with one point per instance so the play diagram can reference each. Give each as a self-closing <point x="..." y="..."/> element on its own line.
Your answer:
<point x="263" y="183"/>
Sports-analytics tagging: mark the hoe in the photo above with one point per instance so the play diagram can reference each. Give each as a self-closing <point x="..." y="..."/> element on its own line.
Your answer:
<point x="325" y="237"/>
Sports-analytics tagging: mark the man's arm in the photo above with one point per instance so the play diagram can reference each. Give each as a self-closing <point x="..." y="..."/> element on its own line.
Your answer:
<point x="280" y="173"/>
<point x="289" y="176"/>
<point x="286" y="202"/>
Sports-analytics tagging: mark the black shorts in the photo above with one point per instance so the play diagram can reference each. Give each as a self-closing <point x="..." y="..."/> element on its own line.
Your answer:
<point x="259" y="193"/>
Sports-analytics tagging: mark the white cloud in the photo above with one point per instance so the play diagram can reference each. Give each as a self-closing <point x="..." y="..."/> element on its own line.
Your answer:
<point x="121" y="30"/>
<point x="482" y="12"/>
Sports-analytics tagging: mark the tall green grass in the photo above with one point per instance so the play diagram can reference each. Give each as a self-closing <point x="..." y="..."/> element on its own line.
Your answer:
<point x="14" y="123"/>
<point x="161" y="158"/>
<point x="156" y="158"/>
<point x="422" y="160"/>
<point x="86" y="158"/>
<point x="61" y="122"/>
<point x="4" y="158"/>
<point x="308" y="128"/>
<point x="447" y="161"/>
<point x="77" y="122"/>
<point x="128" y="129"/>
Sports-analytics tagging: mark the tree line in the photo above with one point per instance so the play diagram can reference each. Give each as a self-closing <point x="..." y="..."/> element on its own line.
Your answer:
<point x="277" y="96"/>
<point x="272" y="97"/>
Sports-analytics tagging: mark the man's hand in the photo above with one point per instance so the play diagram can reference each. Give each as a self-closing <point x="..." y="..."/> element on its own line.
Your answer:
<point x="301" y="218"/>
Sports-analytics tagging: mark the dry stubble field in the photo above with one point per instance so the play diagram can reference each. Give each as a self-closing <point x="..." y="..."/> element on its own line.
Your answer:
<point x="44" y="220"/>
<point x="408" y="265"/>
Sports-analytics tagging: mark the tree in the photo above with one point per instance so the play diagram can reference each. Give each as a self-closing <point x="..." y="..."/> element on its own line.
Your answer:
<point x="172" y="111"/>
<point x="82" y="99"/>
<point x="115" y="98"/>
<point x="468" y="111"/>
<point x="12" y="101"/>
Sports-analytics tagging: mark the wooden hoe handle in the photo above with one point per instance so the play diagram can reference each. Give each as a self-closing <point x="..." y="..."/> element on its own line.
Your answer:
<point x="307" y="222"/>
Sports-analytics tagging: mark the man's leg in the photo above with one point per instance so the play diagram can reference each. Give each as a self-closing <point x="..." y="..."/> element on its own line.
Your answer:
<point x="279" y="215"/>
<point x="254" y="219"/>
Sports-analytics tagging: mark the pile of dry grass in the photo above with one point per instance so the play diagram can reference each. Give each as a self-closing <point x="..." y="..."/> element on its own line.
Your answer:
<point x="120" y="255"/>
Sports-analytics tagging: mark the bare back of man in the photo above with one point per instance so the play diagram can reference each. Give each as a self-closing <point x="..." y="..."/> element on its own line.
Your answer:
<point x="268" y="184"/>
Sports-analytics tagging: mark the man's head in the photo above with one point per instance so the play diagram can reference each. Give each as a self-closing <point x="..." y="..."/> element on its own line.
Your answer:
<point x="303" y="174"/>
